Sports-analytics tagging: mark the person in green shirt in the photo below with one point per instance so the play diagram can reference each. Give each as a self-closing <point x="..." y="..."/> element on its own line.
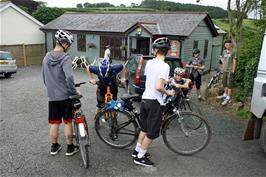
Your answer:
<point x="229" y="61"/>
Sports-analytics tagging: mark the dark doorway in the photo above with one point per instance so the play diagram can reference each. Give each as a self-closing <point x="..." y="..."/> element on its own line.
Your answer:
<point x="143" y="46"/>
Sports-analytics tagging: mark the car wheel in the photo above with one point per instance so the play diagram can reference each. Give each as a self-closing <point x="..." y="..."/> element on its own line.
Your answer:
<point x="7" y="75"/>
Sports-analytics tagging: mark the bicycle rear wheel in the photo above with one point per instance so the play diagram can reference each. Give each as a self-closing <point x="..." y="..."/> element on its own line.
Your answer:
<point x="83" y="144"/>
<point x="183" y="135"/>
<point x="119" y="130"/>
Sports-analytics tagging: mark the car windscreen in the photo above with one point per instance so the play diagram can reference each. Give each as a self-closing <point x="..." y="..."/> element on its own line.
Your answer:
<point x="5" y="56"/>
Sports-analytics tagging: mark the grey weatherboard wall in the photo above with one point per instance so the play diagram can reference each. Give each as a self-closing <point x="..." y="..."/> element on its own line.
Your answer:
<point x="90" y="54"/>
<point x="200" y="34"/>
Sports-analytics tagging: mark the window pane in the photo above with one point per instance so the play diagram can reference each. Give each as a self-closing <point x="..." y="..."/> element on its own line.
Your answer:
<point x="205" y="49"/>
<point x="195" y="45"/>
<point x="81" y="41"/>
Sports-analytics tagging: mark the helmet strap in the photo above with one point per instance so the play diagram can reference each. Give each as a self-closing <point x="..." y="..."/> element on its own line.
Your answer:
<point x="63" y="46"/>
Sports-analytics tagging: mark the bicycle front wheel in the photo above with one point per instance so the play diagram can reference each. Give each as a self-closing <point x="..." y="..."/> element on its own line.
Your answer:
<point x="183" y="135"/>
<point x="118" y="130"/>
<point x="83" y="144"/>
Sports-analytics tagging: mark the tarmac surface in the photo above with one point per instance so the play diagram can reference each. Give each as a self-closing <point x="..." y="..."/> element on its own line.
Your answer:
<point x="25" y="146"/>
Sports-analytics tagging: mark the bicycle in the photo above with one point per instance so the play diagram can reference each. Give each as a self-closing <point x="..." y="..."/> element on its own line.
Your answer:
<point x="80" y="62"/>
<point x="180" y="101"/>
<point x="80" y="126"/>
<point x="215" y="79"/>
<point x="122" y="130"/>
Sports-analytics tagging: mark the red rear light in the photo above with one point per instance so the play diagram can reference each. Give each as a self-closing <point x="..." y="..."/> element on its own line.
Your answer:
<point x="80" y="120"/>
<point x="182" y="65"/>
<point x="138" y="71"/>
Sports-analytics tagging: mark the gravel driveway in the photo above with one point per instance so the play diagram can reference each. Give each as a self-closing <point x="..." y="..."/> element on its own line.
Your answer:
<point x="25" y="147"/>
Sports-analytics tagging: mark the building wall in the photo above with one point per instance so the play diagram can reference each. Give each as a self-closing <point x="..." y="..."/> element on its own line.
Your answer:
<point x="217" y="50"/>
<point x="90" y="54"/>
<point x="18" y="29"/>
<point x="200" y="34"/>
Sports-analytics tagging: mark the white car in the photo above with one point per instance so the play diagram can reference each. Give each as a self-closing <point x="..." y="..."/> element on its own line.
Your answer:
<point x="8" y="64"/>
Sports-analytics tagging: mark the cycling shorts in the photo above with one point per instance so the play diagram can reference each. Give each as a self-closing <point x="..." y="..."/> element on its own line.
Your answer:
<point x="151" y="117"/>
<point x="59" y="110"/>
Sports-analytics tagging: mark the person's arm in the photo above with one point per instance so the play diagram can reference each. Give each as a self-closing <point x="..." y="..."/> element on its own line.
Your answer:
<point x="90" y="76"/>
<point x="67" y="68"/>
<point x="234" y="63"/>
<point x="202" y="65"/>
<point x="163" y="77"/>
<point x="189" y="64"/>
<point x="123" y="74"/>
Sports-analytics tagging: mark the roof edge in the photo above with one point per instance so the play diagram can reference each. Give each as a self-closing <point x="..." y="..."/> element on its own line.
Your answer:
<point x="10" y="4"/>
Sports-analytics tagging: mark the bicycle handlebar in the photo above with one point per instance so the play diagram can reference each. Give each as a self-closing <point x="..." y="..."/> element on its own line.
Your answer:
<point x="79" y="84"/>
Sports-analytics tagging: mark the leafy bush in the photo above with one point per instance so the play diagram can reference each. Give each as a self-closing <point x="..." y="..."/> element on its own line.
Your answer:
<point x="248" y="59"/>
<point x="47" y="14"/>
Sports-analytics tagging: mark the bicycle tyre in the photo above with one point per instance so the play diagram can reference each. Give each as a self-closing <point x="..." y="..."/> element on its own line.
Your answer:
<point x="191" y="106"/>
<point x="122" y="135"/>
<point x="83" y="146"/>
<point x="176" y="128"/>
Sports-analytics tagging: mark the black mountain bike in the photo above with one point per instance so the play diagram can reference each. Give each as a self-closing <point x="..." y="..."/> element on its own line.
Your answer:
<point x="215" y="79"/>
<point x="81" y="133"/>
<point x="183" y="132"/>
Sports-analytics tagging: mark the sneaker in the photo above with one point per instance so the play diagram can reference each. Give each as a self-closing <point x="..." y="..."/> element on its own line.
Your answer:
<point x="144" y="161"/>
<point x="187" y="98"/>
<point x="135" y="153"/>
<point x="199" y="97"/>
<point x="221" y="97"/>
<point x="225" y="102"/>
<point x="71" y="150"/>
<point x="55" y="148"/>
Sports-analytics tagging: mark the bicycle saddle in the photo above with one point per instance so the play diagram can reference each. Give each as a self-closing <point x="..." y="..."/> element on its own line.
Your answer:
<point x="126" y="97"/>
<point x="75" y="97"/>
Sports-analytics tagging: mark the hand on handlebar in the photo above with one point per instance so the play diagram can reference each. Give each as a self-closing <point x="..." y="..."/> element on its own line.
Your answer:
<point x="122" y="80"/>
<point x="170" y="92"/>
<point x="93" y="81"/>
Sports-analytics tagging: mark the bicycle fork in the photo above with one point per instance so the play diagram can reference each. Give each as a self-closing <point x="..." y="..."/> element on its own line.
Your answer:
<point x="180" y="120"/>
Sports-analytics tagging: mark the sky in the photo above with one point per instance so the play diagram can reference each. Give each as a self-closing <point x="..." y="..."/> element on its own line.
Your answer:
<point x="72" y="3"/>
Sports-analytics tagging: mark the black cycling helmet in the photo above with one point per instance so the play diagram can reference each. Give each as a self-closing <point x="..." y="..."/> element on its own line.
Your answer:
<point x="196" y="51"/>
<point x="161" y="43"/>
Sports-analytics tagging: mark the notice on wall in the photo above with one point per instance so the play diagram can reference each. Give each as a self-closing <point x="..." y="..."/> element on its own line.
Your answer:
<point x="175" y="49"/>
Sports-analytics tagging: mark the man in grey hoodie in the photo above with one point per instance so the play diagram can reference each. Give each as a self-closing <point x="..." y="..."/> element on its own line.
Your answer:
<point x="59" y="83"/>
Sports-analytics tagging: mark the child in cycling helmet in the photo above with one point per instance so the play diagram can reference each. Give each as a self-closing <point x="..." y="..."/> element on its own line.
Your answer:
<point x="107" y="74"/>
<point x="179" y="81"/>
<point x="59" y="82"/>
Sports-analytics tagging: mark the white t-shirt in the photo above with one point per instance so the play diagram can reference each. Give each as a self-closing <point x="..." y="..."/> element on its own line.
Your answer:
<point x="155" y="69"/>
<point x="107" y="54"/>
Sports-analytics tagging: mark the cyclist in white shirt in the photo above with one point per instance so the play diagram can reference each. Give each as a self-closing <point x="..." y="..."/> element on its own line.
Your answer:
<point x="157" y="73"/>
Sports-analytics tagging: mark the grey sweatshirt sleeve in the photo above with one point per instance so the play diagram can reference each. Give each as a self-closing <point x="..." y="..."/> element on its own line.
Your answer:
<point x="67" y="68"/>
<point x="43" y="76"/>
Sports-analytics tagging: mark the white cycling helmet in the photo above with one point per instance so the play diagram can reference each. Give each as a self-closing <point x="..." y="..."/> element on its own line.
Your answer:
<point x="179" y="71"/>
<point x="64" y="36"/>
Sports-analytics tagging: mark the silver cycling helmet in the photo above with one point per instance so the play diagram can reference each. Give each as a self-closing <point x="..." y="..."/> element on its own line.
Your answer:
<point x="179" y="71"/>
<point x="64" y="36"/>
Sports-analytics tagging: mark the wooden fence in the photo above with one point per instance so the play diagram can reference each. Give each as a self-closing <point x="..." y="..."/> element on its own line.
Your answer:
<point x="26" y="54"/>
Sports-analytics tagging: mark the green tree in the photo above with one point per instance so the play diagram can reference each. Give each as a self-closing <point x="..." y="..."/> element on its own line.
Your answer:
<point x="47" y="14"/>
<point x="236" y="22"/>
<point x="79" y="6"/>
<point x="214" y="12"/>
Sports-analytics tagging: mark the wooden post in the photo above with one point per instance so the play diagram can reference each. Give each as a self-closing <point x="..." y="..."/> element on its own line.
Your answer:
<point x="24" y="54"/>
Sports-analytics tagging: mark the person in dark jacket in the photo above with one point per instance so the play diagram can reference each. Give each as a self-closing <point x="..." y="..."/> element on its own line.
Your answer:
<point x="59" y="82"/>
